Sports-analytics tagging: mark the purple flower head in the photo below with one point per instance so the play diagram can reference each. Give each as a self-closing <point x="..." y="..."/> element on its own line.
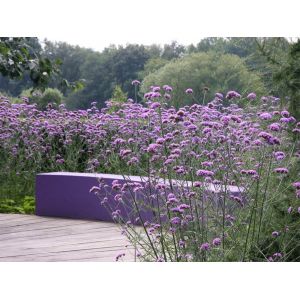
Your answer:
<point x="181" y="244"/>
<point x="175" y="221"/>
<point x="155" y="105"/>
<point x="60" y="161"/>
<point x="279" y="155"/>
<point x="219" y="96"/>
<point x="251" y="96"/>
<point x="160" y="259"/>
<point x="216" y="242"/>
<point x="274" y="126"/>
<point x="133" y="161"/>
<point x="290" y="209"/>
<point x="232" y="95"/>
<point x="296" y="185"/>
<point x="205" y="247"/>
<point x="135" y="82"/>
<point x="119" y="256"/>
<point x="189" y="91"/>
<point x="281" y="170"/>
<point x="265" y="116"/>
<point x="192" y="127"/>
<point x="237" y="200"/>
<point x="167" y="96"/>
<point x="167" y="88"/>
<point x="277" y="256"/>
<point x="171" y="199"/>
<point x="125" y="152"/>
<point x="153" y="148"/>
<point x="115" y="214"/>
<point x="177" y="209"/>
<point x="160" y="141"/>
<point x="249" y="172"/>
<point x="284" y="120"/>
<point x="155" y="89"/>
<point x="205" y="173"/>
<point x="207" y="163"/>
<point x="183" y="206"/>
<point x="116" y="185"/>
<point x="95" y="189"/>
<point x="285" y="114"/>
<point x="275" y="233"/>
<point x="161" y="186"/>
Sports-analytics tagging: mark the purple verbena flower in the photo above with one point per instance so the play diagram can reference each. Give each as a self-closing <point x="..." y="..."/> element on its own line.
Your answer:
<point x="251" y="96"/>
<point x="135" y="82"/>
<point x="205" y="173"/>
<point x="232" y="95"/>
<point x="281" y="170"/>
<point x="205" y="247"/>
<point x="216" y="242"/>
<point x="119" y="256"/>
<point x="219" y="95"/>
<point x="296" y="185"/>
<point x="175" y="220"/>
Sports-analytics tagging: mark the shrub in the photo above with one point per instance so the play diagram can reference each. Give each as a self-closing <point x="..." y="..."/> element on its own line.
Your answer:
<point x="205" y="73"/>
<point x="42" y="99"/>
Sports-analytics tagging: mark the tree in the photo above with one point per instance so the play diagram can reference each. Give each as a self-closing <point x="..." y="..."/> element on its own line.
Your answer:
<point x="72" y="58"/>
<point x="23" y="56"/>
<point x="152" y="65"/>
<point x="173" y="50"/>
<point x="18" y="57"/>
<point x="286" y="70"/>
<point x="199" y="71"/>
<point x="103" y="71"/>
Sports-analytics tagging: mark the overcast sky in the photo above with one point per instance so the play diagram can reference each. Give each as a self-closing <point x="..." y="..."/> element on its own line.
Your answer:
<point x="97" y="24"/>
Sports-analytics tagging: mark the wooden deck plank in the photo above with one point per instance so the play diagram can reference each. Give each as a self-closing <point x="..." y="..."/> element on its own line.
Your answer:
<point x="38" y="227"/>
<point x="33" y="238"/>
<point x="42" y="249"/>
<point x="59" y="235"/>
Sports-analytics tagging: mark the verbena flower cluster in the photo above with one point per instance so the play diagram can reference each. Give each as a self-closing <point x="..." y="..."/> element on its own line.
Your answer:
<point x="219" y="182"/>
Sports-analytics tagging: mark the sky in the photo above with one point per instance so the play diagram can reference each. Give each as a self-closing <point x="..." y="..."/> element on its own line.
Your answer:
<point x="97" y="24"/>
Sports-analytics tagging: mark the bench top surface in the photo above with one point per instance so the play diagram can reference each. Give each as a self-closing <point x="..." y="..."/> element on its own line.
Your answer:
<point x="210" y="187"/>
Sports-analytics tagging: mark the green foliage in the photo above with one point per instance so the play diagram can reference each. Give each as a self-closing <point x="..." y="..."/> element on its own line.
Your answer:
<point x="42" y="99"/>
<point x="217" y="72"/>
<point x="17" y="57"/>
<point x="23" y="206"/>
<point x="118" y="95"/>
<point x="103" y="71"/>
<point x="286" y="69"/>
<point x="85" y="76"/>
<point x="173" y="50"/>
<point x="152" y="65"/>
<point x="117" y="99"/>
<point x="51" y="96"/>
<point x="12" y="99"/>
<point x="23" y="57"/>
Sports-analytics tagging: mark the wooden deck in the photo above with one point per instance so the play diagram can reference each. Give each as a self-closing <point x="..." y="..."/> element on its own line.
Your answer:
<point x="32" y="238"/>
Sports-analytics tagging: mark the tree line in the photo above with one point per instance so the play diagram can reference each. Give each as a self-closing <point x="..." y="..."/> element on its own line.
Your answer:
<point x="216" y="64"/>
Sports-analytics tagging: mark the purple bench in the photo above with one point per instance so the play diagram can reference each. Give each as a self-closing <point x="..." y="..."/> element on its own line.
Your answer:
<point x="66" y="194"/>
